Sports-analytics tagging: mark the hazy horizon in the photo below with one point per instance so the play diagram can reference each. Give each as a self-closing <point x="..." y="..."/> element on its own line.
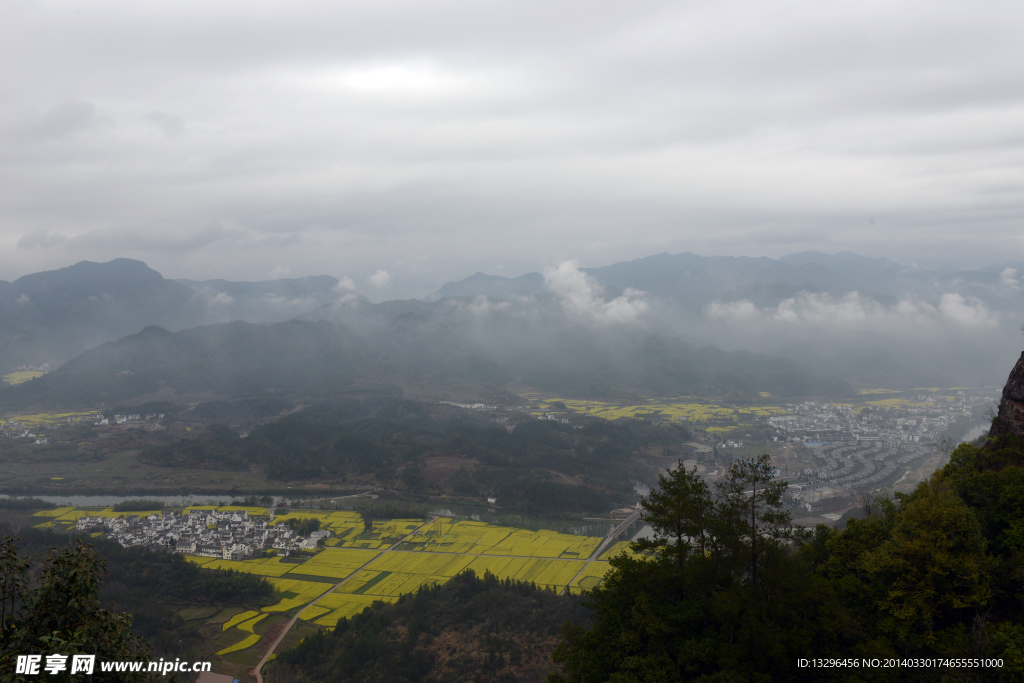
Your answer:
<point x="404" y="145"/>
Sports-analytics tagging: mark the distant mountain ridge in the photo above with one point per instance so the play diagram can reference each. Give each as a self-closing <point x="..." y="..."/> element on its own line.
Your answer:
<point x="491" y="287"/>
<point x="495" y="329"/>
<point x="55" y="315"/>
<point x="428" y="349"/>
<point x="695" y="281"/>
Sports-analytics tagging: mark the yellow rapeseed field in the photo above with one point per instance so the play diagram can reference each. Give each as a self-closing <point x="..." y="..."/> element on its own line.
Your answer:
<point x="694" y="412"/>
<point x="313" y="612"/>
<point x="620" y="548"/>
<point x="345" y="606"/>
<point x="251" y="623"/>
<point x="545" y="558"/>
<point x="240" y="645"/>
<point x="238" y="619"/>
<point x="480" y="538"/>
<point x="23" y="376"/>
<point x="591" y="577"/>
<point x="336" y="563"/>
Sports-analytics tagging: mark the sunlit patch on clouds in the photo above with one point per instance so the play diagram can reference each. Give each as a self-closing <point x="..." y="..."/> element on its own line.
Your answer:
<point x="416" y="79"/>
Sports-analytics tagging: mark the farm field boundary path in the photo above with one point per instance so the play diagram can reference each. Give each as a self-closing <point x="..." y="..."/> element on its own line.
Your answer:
<point x="600" y="549"/>
<point x="259" y="667"/>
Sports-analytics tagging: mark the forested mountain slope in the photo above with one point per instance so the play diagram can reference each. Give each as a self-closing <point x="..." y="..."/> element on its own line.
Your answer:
<point x="469" y="629"/>
<point x="431" y="348"/>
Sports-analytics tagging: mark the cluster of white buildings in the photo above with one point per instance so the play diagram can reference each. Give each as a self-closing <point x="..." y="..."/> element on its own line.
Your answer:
<point x="208" y="533"/>
<point x="13" y="429"/>
<point x="123" y="419"/>
<point x="825" y="422"/>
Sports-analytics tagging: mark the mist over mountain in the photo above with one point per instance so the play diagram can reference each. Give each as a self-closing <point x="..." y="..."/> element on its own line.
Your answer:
<point x="491" y="287"/>
<point x="695" y="281"/>
<point x="807" y="324"/>
<point x="871" y="321"/>
<point x="447" y="348"/>
<point x="52" y="316"/>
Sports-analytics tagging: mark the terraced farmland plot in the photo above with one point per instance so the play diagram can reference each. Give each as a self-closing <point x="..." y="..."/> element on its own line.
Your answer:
<point x="396" y="528"/>
<point x="422" y="563"/>
<point x="545" y="573"/>
<point x="347" y="526"/>
<point x="41" y="420"/>
<point x="590" y="578"/>
<point x="388" y="583"/>
<point x="243" y="644"/>
<point x="302" y="592"/>
<point x="479" y="538"/>
<point x="238" y="619"/>
<point x="314" y="612"/>
<point x="545" y="543"/>
<point x="335" y="563"/>
<point x="440" y="551"/>
<point x="338" y="521"/>
<point x="249" y="624"/>
<point x="253" y="511"/>
<point x="297" y="586"/>
<point x="693" y="412"/>
<point x="402" y="572"/>
<point x="270" y="566"/>
<point x="342" y="606"/>
<point x="620" y="548"/>
<point x="70" y="515"/>
<point x="57" y="512"/>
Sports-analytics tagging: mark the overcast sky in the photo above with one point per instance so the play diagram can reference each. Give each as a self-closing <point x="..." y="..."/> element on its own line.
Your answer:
<point x="405" y="144"/>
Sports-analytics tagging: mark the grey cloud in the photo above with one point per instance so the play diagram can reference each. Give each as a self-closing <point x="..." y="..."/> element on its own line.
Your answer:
<point x="460" y="134"/>
<point x="580" y="295"/>
<point x="59" y="121"/>
<point x="41" y="239"/>
<point x="171" y="126"/>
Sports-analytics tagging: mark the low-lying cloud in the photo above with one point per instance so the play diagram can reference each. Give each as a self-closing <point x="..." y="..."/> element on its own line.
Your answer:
<point x="855" y="311"/>
<point x="951" y="339"/>
<point x="380" y="279"/>
<point x="580" y="294"/>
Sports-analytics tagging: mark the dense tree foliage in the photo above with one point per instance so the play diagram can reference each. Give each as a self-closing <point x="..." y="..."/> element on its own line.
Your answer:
<point x="16" y="503"/>
<point x="730" y="591"/>
<point x="152" y="585"/>
<point x="61" y="612"/>
<point x="469" y="629"/>
<point x="246" y="410"/>
<point x="541" y="466"/>
<point x="303" y="526"/>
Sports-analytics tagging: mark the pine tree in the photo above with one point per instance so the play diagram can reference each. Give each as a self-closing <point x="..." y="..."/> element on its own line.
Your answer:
<point x="751" y="505"/>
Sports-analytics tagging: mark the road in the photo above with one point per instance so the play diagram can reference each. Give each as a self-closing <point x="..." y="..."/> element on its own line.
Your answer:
<point x="604" y="544"/>
<point x="288" y="627"/>
<point x="593" y="557"/>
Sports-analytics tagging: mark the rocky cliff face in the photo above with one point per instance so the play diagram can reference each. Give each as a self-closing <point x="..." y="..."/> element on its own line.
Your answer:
<point x="1010" y="419"/>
